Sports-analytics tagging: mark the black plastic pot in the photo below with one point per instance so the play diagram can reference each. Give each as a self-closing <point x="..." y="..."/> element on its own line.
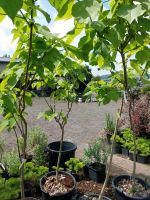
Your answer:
<point x="117" y="148"/>
<point x="142" y="159"/>
<point x="68" y="151"/>
<point x="97" y="172"/>
<point x="125" y="151"/>
<point x="86" y="170"/>
<point x="63" y="196"/>
<point x="131" y="156"/>
<point x="97" y="195"/>
<point x="109" y="138"/>
<point x="29" y="198"/>
<point x="119" y="193"/>
<point x="5" y="174"/>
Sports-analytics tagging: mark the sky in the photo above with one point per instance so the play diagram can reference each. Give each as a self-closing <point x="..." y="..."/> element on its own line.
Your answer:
<point x="59" y="27"/>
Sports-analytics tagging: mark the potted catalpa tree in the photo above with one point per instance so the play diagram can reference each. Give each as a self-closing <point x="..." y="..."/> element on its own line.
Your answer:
<point x="59" y="184"/>
<point x="63" y="78"/>
<point x="111" y="36"/>
<point x="19" y="75"/>
<point x="14" y="95"/>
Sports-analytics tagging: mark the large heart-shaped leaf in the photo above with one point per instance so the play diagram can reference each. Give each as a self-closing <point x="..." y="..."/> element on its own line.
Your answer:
<point x="130" y="12"/>
<point x="11" y="7"/>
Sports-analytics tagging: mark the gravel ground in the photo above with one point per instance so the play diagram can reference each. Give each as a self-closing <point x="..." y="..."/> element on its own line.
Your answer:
<point x="85" y="122"/>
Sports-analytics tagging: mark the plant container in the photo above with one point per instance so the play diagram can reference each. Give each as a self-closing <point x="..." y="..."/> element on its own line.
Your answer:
<point x="29" y="198"/>
<point x="86" y="170"/>
<point x="131" y="154"/>
<point x="119" y="193"/>
<point x="142" y="159"/>
<point x="125" y="151"/>
<point x="68" y="151"/>
<point x="96" y="196"/>
<point x="63" y="196"/>
<point x="109" y="138"/>
<point x="117" y="148"/>
<point x="97" y="172"/>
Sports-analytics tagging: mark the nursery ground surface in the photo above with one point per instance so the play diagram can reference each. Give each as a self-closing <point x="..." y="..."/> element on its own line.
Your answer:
<point x="85" y="122"/>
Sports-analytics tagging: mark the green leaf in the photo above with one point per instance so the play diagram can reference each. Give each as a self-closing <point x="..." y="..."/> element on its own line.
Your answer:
<point x="28" y="98"/>
<point x="8" y="103"/>
<point x="136" y="66"/>
<point x="130" y="12"/>
<point x="48" y="115"/>
<point x="47" y="16"/>
<point x="100" y="61"/>
<point x="46" y="32"/>
<point x="12" y="81"/>
<point x="58" y="4"/>
<point x="74" y="33"/>
<point x="2" y="14"/>
<point x="11" y="7"/>
<point x="98" y="26"/>
<point x="66" y="11"/>
<point x="85" y="9"/>
<point x="143" y="55"/>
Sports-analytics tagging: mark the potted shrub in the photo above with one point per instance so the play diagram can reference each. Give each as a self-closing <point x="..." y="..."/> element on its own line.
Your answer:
<point x="75" y="166"/>
<point x="96" y="155"/>
<point x="118" y="144"/>
<point x="37" y="143"/>
<point x="56" y="149"/>
<point x="109" y="127"/>
<point x="127" y="143"/>
<point x="138" y="189"/>
<point x="63" y="87"/>
<point x="143" y="148"/>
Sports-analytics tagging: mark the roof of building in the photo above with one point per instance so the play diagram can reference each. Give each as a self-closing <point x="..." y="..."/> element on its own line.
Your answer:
<point x="4" y="59"/>
<point x="7" y="60"/>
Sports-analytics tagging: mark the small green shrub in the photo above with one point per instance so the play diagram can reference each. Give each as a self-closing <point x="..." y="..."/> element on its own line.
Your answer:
<point x="74" y="165"/>
<point x="127" y="136"/>
<point x="37" y="142"/>
<point x="37" y="137"/>
<point x="143" y="146"/>
<point x="109" y="123"/>
<point x="98" y="151"/>
<point x="10" y="189"/>
<point x="11" y="162"/>
<point x="33" y="172"/>
<point x="118" y="139"/>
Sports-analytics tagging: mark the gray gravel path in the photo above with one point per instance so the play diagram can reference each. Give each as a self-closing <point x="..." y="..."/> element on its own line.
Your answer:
<point x="84" y="124"/>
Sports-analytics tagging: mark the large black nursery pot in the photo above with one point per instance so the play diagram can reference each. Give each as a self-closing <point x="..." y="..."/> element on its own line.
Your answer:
<point x="63" y="196"/>
<point x="90" y="197"/>
<point x="29" y="198"/>
<point x="97" y="172"/>
<point x="142" y="159"/>
<point x="68" y="151"/>
<point x="119" y="193"/>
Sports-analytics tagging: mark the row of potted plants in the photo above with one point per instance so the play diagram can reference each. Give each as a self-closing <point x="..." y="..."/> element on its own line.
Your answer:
<point x="92" y="165"/>
<point x="125" y="145"/>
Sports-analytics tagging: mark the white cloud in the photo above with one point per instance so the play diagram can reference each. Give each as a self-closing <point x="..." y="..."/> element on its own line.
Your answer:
<point x="6" y="46"/>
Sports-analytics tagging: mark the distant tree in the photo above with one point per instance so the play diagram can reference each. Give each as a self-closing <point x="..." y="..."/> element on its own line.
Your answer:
<point x="6" y="56"/>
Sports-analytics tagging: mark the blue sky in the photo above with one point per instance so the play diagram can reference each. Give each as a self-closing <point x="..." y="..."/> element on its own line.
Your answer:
<point x="7" y="47"/>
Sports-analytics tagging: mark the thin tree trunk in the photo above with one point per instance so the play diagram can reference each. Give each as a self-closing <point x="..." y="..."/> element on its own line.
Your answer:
<point x="111" y="155"/>
<point x="60" y="151"/>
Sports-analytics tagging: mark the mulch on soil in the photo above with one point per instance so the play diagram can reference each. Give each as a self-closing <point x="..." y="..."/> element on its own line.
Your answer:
<point x="87" y="187"/>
